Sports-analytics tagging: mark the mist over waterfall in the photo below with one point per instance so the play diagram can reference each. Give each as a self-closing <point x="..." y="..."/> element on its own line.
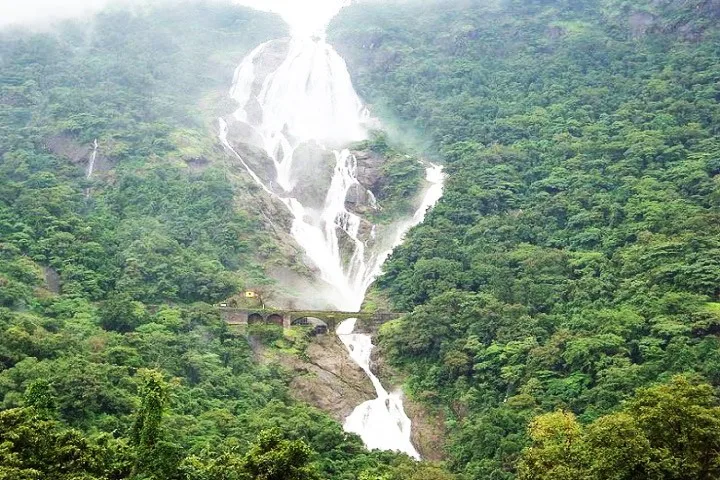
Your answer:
<point x="297" y="94"/>
<point x="298" y="108"/>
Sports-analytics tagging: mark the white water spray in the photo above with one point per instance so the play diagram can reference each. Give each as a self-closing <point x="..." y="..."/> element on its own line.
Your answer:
<point x="297" y="93"/>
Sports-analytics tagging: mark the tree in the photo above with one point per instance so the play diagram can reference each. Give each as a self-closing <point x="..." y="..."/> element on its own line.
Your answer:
<point x="121" y="314"/>
<point x="681" y="420"/>
<point x="32" y="447"/>
<point x="619" y="450"/>
<point x="41" y="396"/>
<point x="273" y="457"/>
<point x="557" y="452"/>
<point x="667" y="432"/>
<point x="155" y="457"/>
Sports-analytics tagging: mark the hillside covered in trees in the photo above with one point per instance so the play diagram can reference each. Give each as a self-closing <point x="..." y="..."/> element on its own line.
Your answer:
<point x="575" y="257"/>
<point x="564" y="294"/>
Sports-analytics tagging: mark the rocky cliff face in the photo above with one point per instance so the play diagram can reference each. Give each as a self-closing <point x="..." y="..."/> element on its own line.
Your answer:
<point x="361" y="199"/>
<point x="327" y="378"/>
<point x="313" y="170"/>
<point x="68" y="147"/>
<point x="330" y="380"/>
<point x="686" y="19"/>
<point x="369" y="169"/>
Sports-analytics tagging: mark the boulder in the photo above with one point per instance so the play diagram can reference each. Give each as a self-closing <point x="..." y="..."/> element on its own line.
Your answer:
<point x="369" y="169"/>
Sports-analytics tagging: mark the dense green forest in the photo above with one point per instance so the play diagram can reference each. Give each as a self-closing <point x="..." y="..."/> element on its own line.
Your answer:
<point x="572" y="270"/>
<point x="163" y="231"/>
<point x="113" y="364"/>
<point x="565" y="293"/>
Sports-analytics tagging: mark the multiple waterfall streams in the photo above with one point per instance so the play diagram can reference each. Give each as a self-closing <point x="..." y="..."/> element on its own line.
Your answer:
<point x="298" y="107"/>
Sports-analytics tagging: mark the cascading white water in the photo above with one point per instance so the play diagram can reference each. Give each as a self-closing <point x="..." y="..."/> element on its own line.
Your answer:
<point x="382" y="422"/>
<point x="309" y="99"/>
<point x="297" y="94"/>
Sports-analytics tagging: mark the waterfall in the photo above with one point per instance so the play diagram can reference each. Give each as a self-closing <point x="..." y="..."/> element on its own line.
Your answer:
<point x="296" y="102"/>
<point x="91" y="166"/>
<point x="91" y="163"/>
<point x="382" y="422"/>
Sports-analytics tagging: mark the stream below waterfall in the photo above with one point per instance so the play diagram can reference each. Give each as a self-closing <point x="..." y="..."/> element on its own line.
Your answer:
<point x="382" y="423"/>
<point x="296" y="103"/>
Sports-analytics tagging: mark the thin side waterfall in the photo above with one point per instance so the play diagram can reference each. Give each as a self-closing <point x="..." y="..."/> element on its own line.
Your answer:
<point x="91" y="166"/>
<point x="297" y="104"/>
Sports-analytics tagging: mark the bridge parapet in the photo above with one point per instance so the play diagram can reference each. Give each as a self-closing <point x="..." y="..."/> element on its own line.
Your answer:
<point x="288" y="318"/>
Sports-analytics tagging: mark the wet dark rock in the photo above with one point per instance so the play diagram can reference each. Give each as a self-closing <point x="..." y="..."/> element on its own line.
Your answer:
<point x="369" y="169"/>
<point x="360" y="201"/>
<point x="273" y="55"/>
<point x="52" y="279"/>
<point x="252" y="154"/>
<point x="69" y="148"/>
<point x="197" y="164"/>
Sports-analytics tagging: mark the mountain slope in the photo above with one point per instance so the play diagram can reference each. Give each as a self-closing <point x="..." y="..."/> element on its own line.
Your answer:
<point x="574" y="257"/>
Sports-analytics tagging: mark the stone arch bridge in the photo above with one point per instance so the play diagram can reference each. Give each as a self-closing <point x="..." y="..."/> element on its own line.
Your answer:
<point x="288" y="318"/>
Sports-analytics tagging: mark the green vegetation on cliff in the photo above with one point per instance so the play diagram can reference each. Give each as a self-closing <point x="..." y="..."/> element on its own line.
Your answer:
<point x="160" y="222"/>
<point x="400" y="179"/>
<point x="668" y="431"/>
<point x="575" y="256"/>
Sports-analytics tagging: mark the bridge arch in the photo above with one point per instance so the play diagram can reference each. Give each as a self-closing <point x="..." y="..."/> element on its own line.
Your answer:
<point x="274" y="319"/>
<point x="255" y="319"/>
<point x="320" y="327"/>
